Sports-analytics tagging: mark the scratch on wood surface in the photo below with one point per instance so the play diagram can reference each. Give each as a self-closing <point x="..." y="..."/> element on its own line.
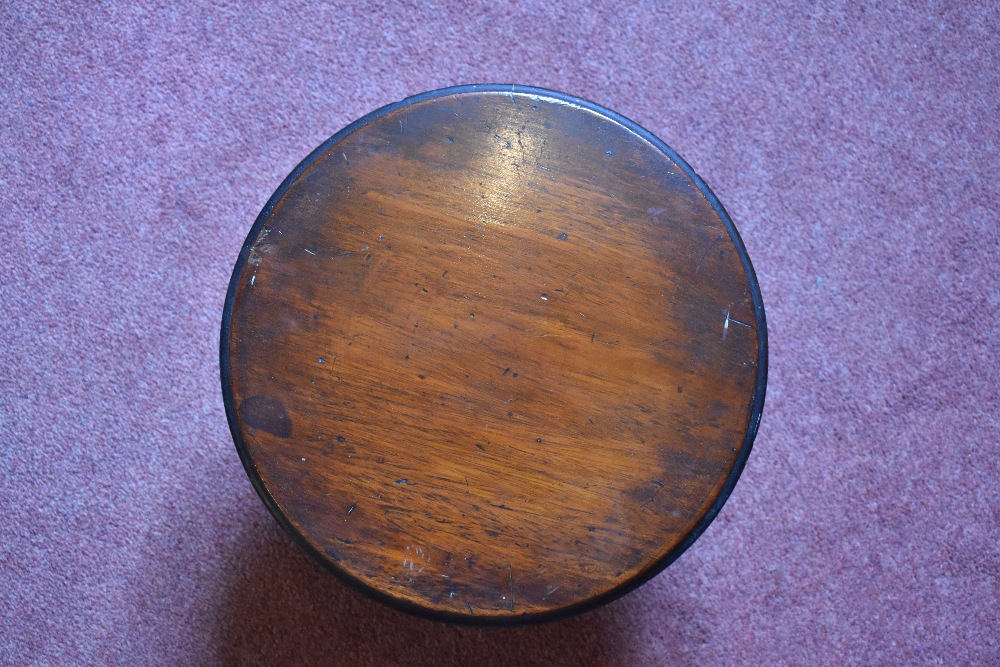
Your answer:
<point x="658" y="485"/>
<point x="725" y="324"/>
<point x="510" y="579"/>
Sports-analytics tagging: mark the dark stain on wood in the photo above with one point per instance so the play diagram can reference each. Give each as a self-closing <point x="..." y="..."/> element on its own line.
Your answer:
<point x="267" y="414"/>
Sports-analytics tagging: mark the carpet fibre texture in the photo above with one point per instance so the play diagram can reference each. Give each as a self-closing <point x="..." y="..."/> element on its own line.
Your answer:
<point x="855" y="145"/>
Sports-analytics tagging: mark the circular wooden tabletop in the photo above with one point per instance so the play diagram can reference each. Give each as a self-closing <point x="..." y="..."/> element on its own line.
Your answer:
<point x="494" y="354"/>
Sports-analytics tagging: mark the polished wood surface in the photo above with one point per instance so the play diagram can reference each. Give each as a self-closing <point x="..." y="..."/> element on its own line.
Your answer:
<point x="493" y="355"/>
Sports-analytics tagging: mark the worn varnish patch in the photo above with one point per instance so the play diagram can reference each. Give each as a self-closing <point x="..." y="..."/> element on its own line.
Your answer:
<point x="494" y="354"/>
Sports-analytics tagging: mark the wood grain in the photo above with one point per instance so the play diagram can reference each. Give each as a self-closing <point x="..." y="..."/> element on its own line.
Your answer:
<point x="493" y="355"/>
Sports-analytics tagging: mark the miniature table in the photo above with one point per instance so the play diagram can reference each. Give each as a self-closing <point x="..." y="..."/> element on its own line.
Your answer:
<point x="494" y="354"/>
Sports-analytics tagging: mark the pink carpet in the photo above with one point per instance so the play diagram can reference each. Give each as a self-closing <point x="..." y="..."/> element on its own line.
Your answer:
<point x="855" y="146"/>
